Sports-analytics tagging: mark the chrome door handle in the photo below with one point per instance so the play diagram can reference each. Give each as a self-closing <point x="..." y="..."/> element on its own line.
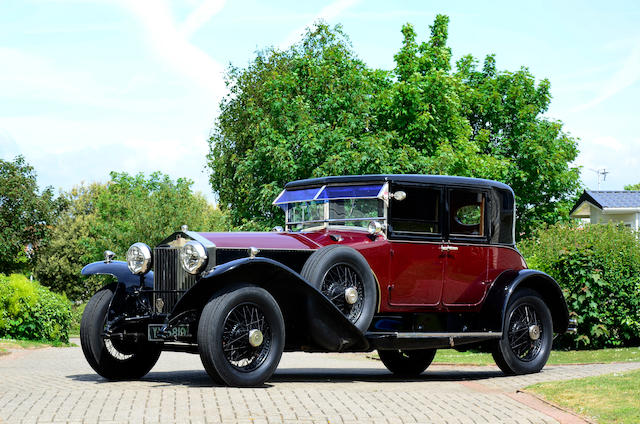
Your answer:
<point x="448" y="248"/>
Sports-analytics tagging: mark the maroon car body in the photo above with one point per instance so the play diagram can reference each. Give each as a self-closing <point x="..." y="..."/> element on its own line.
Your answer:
<point x="404" y="264"/>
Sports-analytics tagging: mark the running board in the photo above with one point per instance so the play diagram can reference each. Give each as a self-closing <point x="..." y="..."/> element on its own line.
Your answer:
<point x="395" y="340"/>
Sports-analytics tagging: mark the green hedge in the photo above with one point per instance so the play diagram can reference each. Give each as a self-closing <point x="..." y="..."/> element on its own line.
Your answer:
<point x="598" y="268"/>
<point x="32" y="312"/>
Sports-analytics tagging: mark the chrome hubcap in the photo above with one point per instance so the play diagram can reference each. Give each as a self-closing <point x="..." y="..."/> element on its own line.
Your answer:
<point x="351" y="295"/>
<point x="534" y="332"/>
<point x="255" y="337"/>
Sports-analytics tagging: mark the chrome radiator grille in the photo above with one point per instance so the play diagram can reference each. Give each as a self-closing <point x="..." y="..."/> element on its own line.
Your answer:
<point x="170" y="280"/>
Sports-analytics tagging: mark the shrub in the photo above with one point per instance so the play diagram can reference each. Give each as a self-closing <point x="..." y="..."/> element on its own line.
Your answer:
<point x="113" y="216"/>
<point x="598" y="268"/>
<point x="76" y="317"/>
<point x="30" y="311"/>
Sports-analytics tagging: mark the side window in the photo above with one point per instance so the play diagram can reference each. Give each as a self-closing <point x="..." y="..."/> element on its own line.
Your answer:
<point x="418" y="213"/>
<point x="467" y="212"/>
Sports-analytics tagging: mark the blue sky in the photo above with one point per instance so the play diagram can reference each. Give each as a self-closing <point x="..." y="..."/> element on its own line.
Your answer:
<point x="91" y="86"/>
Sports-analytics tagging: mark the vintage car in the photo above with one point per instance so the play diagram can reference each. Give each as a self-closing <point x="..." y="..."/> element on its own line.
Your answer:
<point x="404" y="264"/>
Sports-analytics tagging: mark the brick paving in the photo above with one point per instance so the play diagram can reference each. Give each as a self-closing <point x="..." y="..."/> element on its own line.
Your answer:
<point x="56" y="385"/>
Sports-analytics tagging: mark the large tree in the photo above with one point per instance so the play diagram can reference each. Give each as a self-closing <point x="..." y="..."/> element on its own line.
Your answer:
<point x="113" y="216"/>
<point x="315" y="109"/>
<point x="632" y="187"/>
<point x="26" y="215"/>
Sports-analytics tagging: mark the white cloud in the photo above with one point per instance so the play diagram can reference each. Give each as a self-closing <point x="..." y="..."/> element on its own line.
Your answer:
<point x="627" y="75"/>
<point x="200" y="16"/>
<point x="170" y="42"/>
<point x="608" y="142"/>
<point x="29" y="77"/>
<point x="610" y="153"/>
<point x="328" y="13"/>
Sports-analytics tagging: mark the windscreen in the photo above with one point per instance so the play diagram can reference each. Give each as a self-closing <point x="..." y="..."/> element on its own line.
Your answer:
<point x="341" y="205"/>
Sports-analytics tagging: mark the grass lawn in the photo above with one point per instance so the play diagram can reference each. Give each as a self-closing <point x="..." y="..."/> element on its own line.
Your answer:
<point x="6" y="344"/>
<point x="628" y="354"/>
<point x="613" y="398"/>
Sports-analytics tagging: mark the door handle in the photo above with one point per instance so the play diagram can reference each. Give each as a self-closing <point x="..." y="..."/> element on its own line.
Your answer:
<point x="448" y="248"/>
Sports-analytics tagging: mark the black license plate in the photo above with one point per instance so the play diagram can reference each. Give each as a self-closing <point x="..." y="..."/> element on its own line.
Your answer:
<point x="154" y="330"/>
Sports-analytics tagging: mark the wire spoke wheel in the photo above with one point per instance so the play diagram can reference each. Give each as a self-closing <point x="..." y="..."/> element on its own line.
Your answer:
<point x="241" y="322"/>
<point x="115" y="352"/>
<point x="335" y="283"/>
<point x="525" y="332"/>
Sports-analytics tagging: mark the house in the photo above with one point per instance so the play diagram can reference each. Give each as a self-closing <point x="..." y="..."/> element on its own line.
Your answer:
<point x="600" y="207"/>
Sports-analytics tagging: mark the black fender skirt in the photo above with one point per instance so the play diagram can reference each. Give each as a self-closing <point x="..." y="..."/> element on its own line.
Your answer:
<point x="312" y="321"/>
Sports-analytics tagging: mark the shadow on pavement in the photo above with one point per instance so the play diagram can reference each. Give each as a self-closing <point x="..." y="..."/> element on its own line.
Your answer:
<point x="199" y="378"/>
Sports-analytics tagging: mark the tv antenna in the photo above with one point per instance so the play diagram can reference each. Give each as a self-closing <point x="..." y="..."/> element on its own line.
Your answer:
<point x="601" y="172"/>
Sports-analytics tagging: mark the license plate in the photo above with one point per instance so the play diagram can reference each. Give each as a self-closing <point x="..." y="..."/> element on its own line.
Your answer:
<point x="154" y="330"/>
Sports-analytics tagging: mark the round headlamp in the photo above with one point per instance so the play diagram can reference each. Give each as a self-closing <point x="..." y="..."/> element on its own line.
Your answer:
<point x="374" y="228"/>
<point x="139" y="258"/>
<point x="193" y="257"/>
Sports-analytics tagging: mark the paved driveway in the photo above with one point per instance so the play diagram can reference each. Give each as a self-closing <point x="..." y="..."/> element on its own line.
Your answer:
<point x="57" y="385"/>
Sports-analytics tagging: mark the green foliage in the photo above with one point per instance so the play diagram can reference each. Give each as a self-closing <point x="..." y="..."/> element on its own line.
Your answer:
<point x="632" y="187"/>
<point x="598" y="268"/>
<point x="113" y="216"/>
<point x="76" y="317"/>
<point x="25" y="214"/>
<point x="315" y="109"/>
<point x="30" y="311"/>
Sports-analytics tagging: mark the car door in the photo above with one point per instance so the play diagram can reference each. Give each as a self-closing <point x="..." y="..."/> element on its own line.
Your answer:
<point x="415" y="235"/>
<point x="465" y="271"/>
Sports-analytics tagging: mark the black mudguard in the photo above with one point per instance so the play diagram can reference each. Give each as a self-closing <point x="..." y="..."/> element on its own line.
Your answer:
<point x="495" y="306"/>
<point x="120" y="271"/>
<point x="126" y="299"/>
<point x="312" y="321"/>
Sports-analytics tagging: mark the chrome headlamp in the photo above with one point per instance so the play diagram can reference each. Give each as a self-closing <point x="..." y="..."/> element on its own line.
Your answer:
<point x="193" y="257"/>
<point x="374" y="228"/>
<point x="139" y="258"/>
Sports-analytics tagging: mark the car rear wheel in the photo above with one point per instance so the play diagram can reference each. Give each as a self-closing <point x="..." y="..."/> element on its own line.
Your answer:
<point x="343" y="275"/>
<point x="407" y="363"/>
<point x="241" y="336"/>
<point x="112" y="359"/>
<point x="527" y="335"/>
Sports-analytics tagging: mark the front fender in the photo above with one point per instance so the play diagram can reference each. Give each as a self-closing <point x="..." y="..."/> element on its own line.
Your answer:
<point x="120" y="271"/>
<point x="495" y="306"/>
<point x="310" y="318"/>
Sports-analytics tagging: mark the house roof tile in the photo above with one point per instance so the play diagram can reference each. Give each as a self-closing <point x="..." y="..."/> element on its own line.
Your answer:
<point x="610" y="199"/>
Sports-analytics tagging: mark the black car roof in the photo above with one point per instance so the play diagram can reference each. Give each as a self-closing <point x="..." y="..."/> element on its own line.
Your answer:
<point x="398" y="178"/>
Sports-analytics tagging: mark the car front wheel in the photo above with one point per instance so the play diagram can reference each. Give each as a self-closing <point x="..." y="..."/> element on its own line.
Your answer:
<point x="241" y="336"/>
<point x="407" y="363"/>
<point x="527" y="335"/>
<point x="112" y="359"/>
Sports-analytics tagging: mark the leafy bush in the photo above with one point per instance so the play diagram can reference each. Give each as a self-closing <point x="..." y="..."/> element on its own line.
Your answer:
<point x="30" y="311"/>
<point x="598" y="268"/>
<point x="76" y="317"/>
<point x="113" y="216"/>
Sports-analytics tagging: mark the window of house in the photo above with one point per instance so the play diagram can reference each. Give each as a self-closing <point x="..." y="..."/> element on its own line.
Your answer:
<point x="467" y="213"/>
<point x="418" y="213"/>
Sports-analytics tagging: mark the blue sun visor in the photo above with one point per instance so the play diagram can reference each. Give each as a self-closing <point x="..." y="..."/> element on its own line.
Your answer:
<point x="372" y="191"/>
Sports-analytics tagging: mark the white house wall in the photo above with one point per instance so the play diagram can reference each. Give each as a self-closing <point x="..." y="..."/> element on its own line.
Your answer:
<point x="630" y="219"/>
